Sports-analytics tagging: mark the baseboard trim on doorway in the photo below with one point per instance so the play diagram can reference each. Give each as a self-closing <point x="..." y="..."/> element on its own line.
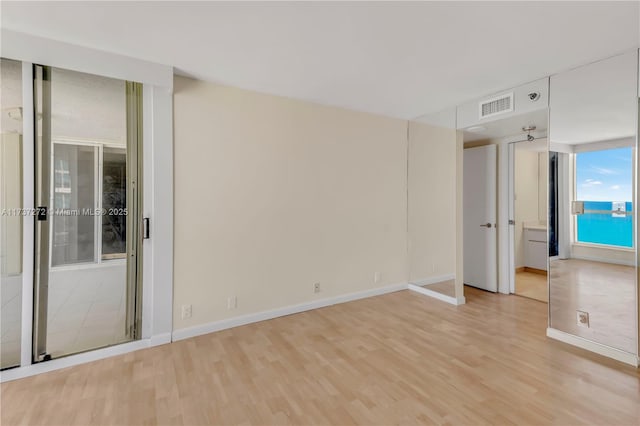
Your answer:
<point x="604" y="350"/>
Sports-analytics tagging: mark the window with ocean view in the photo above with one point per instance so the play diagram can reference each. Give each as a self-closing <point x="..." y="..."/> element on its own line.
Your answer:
<point x="604" y="183"/>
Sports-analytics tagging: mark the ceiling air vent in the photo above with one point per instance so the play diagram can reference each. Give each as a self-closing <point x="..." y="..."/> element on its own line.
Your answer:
<point x="495" y="106"/>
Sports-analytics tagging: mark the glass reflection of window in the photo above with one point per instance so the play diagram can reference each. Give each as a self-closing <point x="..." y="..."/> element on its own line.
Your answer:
<point x="76" y="174"/>
<point x="62" y="184"/>
<point x="604" y="182"/>
<point x="73" y="233"/>
<point x="114" y="201"/>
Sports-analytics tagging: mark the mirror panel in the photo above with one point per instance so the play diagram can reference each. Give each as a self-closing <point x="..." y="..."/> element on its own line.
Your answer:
<point x="11" y="222"/>
<point x="432" y="152"/>
<point x="592" y="162"/>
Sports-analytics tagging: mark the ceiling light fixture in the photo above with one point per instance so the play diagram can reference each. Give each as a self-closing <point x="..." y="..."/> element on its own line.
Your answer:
<point x="529" y="129"/>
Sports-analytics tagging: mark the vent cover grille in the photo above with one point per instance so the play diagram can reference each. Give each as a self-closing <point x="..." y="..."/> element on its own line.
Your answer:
<point x="495" y="106"/>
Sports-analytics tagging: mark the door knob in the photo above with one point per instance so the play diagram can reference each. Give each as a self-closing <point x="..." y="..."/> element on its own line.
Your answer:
<point x="486" y="225"/>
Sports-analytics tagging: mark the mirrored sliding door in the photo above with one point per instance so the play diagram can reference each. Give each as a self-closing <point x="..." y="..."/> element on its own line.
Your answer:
<point x="593" y="123"/>
<point x="11" y="221"/>
<point x="88" y="201"/>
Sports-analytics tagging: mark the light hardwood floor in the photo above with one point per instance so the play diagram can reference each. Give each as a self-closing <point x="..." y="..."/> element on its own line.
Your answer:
<point x="448" y="288"/>
<point x="532" y="285"/>
<point x="398" y="358"/>
<point x="604" y="290"/>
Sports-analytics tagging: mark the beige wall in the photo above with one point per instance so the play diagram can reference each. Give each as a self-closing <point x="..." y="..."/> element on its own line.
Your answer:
<point x="432" y="201"/>
<point x="526" y="179"/>
<point x="543" y="199"/>
<point x="273" y="195"/>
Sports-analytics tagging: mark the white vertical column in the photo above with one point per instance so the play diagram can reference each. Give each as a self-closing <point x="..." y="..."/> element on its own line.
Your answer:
<point x="162" y="229"/>
<point x="147" y="209"/>
<point x="157" y="276"/>
<point x="505" y="203"/>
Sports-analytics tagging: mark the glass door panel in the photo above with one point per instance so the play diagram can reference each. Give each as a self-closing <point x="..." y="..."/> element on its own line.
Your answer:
<point x="10" y="217"/>
<point x="88" y="136"/>
<point x="593" y="278"/>
<point x="114" y="200"/>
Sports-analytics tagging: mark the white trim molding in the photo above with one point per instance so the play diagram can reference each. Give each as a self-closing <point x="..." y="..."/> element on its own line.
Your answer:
<point x="44" y="51"/>
<point x="418" y="287"/>
<point x="612" y="261"/>
<point x="157" y="185"/>
<point x="436" y="295"/>
<point x="224" y="324"/>
<point x="604" y="350"/>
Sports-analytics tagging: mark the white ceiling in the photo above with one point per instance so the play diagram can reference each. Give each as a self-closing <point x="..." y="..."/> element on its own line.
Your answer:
<point x="597" y="102"/>
<point x="398" y="59"/>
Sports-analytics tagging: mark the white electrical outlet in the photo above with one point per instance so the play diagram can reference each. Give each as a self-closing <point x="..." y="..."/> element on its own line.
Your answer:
<point x="232" y="302"/>
<point x="316" y="288"/>
<point x="376" y="277"/>
<point x="582" y="318"/>
<point x="186" y="311"/>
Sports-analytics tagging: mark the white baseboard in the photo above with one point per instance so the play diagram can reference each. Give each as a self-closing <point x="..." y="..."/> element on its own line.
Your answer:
<point x="617" y="354"/>
<point x="160" y="339"/>
<point x="433" y="280"/>
<point x="605" y="260"/>
<point x="436" y="295"/>
<point x="211" y="327"/>
<point x="417" y="286"/>
<point x="82" y="358"/>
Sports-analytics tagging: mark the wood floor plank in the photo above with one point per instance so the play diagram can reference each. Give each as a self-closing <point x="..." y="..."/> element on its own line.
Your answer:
<point x="398" y="358"/>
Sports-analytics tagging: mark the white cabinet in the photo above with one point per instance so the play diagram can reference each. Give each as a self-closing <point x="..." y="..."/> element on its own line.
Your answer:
<point x="535" y="248"/>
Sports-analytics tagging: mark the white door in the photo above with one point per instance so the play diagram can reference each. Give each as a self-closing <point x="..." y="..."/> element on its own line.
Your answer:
<point x="480" y="239"/>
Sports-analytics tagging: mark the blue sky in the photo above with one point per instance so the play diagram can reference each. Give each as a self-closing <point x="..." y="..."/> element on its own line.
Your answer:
<point x="604" y="175"/>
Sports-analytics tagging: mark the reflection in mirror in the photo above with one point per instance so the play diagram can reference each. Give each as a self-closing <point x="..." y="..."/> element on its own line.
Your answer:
<point x="592" y="254"/>
<point x="529" y="164"/>
<point x="432" y="155"/>
<point x="10" y="200"/>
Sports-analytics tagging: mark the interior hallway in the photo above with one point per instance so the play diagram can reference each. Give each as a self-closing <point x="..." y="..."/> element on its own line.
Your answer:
<point x="396" y="358"/>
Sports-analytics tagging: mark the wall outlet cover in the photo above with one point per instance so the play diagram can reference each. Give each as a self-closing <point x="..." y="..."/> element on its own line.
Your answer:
<point x="582" y="319"/>
<point x="187" y="311"/>
<point x="232" y="302"/>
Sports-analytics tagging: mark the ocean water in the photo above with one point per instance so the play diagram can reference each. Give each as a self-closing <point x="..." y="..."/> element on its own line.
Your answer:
<point x="605" y="228"/>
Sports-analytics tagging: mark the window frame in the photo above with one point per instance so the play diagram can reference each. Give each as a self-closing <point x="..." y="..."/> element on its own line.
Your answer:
<point x="574" y="196"/>
<point x="98" y="259"/>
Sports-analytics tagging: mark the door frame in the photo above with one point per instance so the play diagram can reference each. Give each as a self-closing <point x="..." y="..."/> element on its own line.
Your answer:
<point x="157" y="264"/>
<point x="44" y="185"/>
<point x="511" y="205"/>
<point x="506" y="207"/>
<point x="495" y="229"/>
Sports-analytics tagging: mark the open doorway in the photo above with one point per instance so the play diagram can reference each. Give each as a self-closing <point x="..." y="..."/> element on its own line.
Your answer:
<point x="511" y="228"/>
<point x="528" y="160"/>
